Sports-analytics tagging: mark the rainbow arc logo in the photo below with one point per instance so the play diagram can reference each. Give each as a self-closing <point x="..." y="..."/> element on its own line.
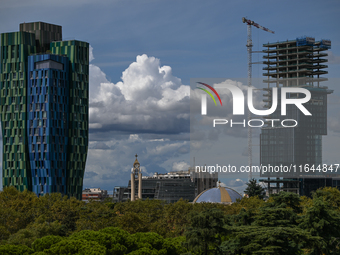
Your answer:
<point x="209" y="93"/>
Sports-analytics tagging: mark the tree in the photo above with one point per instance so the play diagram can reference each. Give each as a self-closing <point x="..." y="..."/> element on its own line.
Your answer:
<point x="140" y="215"/>
<point x="254" y="189"/>
<point x="45" y="242"/>
<point x="174" y="246"/>
<point x="122" y="237"/>
<point x="266" y="240"/>
<point x="286" y="199"/>
<point x="272" y="229"/>
<point x="175" y="218"/>
<point x="205" y="230"/>
<point x="108" y="241"/>
<point x="145" y="251"/>
<point x="76" y="247"/>
<point x="323" y="220"/>
<point x="17" y="209"/>
<point x="9" y="249"/>
<point x="95" y="216"/>
<point x="148" y="239"/>
<point x="329" y="195"/>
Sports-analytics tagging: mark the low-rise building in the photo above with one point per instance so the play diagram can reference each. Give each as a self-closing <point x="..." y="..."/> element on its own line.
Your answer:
<point x="94" y="194"/>
<point x="169" y="187"/>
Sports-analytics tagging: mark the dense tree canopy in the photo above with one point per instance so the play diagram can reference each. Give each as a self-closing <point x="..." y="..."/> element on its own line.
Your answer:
<point x="284" y="224"/>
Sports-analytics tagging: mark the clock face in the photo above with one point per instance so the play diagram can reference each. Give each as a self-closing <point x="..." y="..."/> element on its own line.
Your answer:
<point x="136" y="165"/>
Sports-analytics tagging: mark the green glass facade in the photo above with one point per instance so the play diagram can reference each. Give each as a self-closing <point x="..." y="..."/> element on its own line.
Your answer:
<point x="42" y="38"/>
<point x="78" y="54"/>
<point x="15" y="49"/>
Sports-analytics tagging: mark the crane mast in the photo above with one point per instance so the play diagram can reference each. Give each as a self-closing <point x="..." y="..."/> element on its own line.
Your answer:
<point x="250" y="51"/>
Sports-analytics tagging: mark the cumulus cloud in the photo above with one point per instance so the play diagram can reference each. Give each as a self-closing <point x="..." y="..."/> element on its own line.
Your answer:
<point x="148" y="99"/>
<point x="147" y="113"/>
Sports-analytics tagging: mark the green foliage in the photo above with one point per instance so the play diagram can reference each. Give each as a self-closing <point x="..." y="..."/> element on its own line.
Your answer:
<point x="323" y="220"/>
<point x="34" y="231"/>
<point x="140" y="216"/>
<point x="266" y="240"/>
<point x="9" y="249"/>
<point x="254" y="189"/>
<point x="329" y="195"/>
<point x="206" y="229"/>
<point x="23" y="237"/>
<point x="174" y="246"/>
<point x="76" y="247"/>
<point x="286" y="199"/>
<point x="175" y="218"/>
<point x="95" y="216"/>
<point x="145" y="251"/>
<point x="146" y="239"/>
<point x="122" y="237"/>
<point x="104" y="239"/>
<point x="45" y="242"/>
<point x="284" y="224"/>
<point x="17" y="209"/>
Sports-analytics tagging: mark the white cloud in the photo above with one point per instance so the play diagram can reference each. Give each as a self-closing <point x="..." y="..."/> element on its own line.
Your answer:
<point x="91" y="57"/>
<point x="109" y="163"/>
<point x="149" y="99"/>
<point x="180" y="166"/>
<point x="236" y="183"/>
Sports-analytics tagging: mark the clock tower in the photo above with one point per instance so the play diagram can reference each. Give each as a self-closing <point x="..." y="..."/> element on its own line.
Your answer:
<point x="136" y="173"/>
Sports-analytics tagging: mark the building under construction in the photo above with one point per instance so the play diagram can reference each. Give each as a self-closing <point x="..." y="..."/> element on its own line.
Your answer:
<point x="295" y="63"/>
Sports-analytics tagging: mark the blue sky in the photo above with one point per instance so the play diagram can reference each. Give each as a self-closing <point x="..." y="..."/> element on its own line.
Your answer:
<point x="141" y="105"/>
